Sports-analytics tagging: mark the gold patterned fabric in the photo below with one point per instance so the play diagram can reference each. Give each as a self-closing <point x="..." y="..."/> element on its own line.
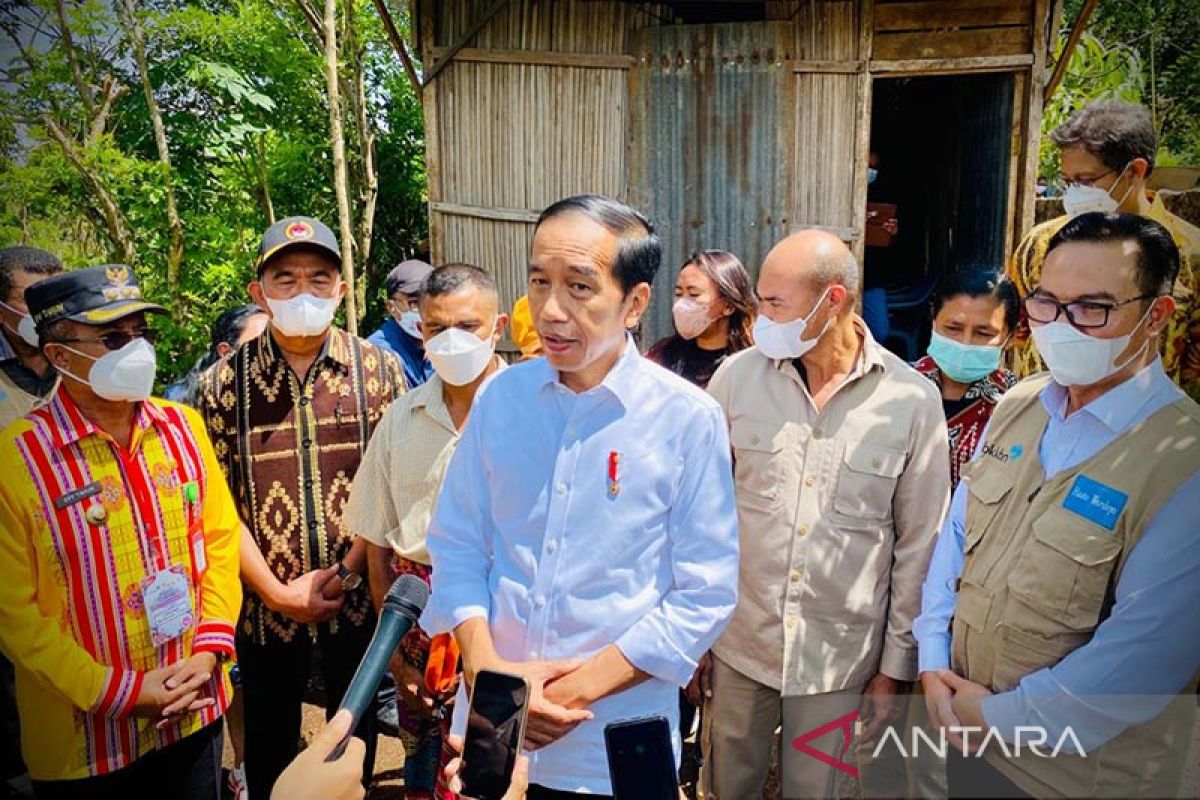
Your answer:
<point x="1180" y="343"/>
<point x="290" y="448"/>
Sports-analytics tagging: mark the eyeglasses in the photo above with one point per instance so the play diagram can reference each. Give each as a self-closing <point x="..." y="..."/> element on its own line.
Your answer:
<point x="115" y="340"/>
<point x="1080" y="313"/>
<point x="1090" y="181"/>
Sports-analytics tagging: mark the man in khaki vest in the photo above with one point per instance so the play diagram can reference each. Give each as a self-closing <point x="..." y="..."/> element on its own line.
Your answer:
<point x="1071" y="544"/>
<point x="25" y="376"/>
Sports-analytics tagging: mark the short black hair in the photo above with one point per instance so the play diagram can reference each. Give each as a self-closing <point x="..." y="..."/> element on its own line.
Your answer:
<point x="450" y="278"/>
<point x="639" y="252"/>
<point x="1116" y="133"/>
<point x="33" y="260"/>
<point x="980" y="282"/>
<point x="228" y="329"/>
<point x="1158" y="256"/>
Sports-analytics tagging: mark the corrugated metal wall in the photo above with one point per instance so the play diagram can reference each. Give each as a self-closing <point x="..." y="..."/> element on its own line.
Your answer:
<point x="710" y="158"/>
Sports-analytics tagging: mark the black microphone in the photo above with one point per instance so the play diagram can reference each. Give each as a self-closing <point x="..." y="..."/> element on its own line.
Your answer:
<point x="401" y="608"/>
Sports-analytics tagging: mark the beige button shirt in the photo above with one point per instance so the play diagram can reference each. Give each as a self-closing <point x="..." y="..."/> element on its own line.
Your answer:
<point x="397" y="484"/>
<point x="838" y="512"/>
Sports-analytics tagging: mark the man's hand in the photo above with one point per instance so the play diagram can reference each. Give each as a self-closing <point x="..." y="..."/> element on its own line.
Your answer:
<point x="967" y="703"/>
<point x="308" y="777"/>
<point x="156" y="700"/>
<point x="892" y="226"/>
<point x="938" y="697"/>
<point x="549" y="718"/>
<point x="699" y="688"/>
<point x="410" y="685"/>
<point x="881" y="704"/>
<point x="302" y="599"/>
<point x="516" y="787"/>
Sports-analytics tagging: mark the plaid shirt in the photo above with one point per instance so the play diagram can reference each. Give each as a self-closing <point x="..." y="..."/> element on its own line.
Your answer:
<point x="83" y="522"/>
<point x="290" y="448"/>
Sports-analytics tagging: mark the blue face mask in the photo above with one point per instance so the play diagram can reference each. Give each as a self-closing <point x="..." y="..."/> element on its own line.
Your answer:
<point x="965" y="363"/>
<point x="872" y="174"/>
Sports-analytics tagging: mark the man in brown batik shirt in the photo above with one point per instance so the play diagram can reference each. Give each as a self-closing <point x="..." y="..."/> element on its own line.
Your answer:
<point x="290" y="414"/>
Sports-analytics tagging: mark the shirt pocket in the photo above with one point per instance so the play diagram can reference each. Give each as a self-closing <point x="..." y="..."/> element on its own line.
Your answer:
<point x="867" y="481"/>
<point x="758" y="469"/>
<point x="1063" y="573"/>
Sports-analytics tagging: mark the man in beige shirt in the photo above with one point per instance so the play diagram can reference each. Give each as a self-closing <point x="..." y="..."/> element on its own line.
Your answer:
<point x="25" y="376"/>
<point x="397" y="484"/>
<point x="842" y="479"/>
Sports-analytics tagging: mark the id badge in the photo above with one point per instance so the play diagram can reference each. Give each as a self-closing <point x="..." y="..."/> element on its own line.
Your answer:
<point x="168" y="605"/>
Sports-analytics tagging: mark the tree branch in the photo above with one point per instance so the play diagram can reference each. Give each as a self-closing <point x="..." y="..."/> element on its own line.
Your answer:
<point x="397" y="42"/>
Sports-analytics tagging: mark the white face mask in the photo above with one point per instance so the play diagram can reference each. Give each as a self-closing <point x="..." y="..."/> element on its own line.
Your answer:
<point x="785" y="340"/>
<point x="1076" y="359"/>
<point x="303" y="315"/>
<point x="122" y="375"/>
<point x="1078" y="199"/>
<point x="408" y="323"/>
<point x="25" y="328"/>
<point x="458" y="356"/>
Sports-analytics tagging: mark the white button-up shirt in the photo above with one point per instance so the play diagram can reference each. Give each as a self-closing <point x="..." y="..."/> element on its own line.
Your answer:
<point x="529" y="534"/>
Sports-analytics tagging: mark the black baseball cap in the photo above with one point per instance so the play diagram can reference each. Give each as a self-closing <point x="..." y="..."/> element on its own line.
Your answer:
<point x="93" y="296"/>
<point x="407" y="276"/>
<point x="296" y="232"/>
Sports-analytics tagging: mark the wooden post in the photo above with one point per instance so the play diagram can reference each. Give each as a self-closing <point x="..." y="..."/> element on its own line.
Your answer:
<point x="340" y="179"/>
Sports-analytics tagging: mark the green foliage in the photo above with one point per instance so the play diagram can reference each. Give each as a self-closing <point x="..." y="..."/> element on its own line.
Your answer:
<point x="1144" y="51"/>
<point x="241" y="89"/>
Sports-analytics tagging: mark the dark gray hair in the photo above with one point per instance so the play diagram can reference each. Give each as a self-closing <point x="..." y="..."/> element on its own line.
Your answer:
<point x="450" y="278"/>
<point x="33" y="260"/>
<point x="638" y="250"/>
<point x="1116" y="133"/>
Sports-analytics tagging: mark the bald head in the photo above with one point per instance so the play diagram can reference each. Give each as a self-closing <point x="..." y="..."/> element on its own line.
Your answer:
<point x="815" y="257"/>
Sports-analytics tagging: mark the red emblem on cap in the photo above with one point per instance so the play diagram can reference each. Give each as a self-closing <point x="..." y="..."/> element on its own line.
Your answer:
<point x="299" y="230"/>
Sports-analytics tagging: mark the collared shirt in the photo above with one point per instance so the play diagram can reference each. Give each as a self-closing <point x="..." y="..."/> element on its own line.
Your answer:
<point x="290" y="448"/>
<point x="1180" y="343"/>
<point x="1157" y="588"/>
<point x="967" y="418"/>
<point x="838" y="509"/>
<point x="532" y="533"/>
<point x="83" y="522"/>
<point x="402" y="471"/>
<point x="409" y="349"/>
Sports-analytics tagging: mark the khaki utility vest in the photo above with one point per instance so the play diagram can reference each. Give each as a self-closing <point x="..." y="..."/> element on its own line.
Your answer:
<point x="1042" y="561"/>
<point x="15" y="402"/>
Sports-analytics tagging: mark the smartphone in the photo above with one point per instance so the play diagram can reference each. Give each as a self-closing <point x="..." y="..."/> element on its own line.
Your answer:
<point x="495" y="730"/>
<point x="641" y="761"/>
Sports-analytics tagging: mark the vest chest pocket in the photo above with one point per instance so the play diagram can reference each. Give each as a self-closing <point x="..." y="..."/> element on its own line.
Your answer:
<point x="986" y="489"/>
<point x="1063" y="573"/>
<point x="867" y="481"/>
<point x="758" y="454"/>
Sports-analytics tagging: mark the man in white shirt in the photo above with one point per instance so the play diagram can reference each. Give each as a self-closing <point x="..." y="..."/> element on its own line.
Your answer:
<point x="586" y="535"/>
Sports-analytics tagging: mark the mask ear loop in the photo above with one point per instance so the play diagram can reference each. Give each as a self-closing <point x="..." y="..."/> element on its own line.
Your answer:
<point x="1145" y="344"/>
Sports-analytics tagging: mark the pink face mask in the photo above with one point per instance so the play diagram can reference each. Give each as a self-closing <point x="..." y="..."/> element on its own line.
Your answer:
<point x="691" y="318"/>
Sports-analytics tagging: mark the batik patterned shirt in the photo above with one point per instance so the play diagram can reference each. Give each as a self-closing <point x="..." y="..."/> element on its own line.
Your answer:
<point x="290" y="446"/>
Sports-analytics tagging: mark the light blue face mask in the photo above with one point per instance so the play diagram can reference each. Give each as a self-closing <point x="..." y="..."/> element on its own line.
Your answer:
<point x="965" y="363"/>
<point x="872" y="174"/>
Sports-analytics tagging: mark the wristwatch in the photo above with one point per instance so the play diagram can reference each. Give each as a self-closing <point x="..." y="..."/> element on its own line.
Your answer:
<point x="350" y="580"/>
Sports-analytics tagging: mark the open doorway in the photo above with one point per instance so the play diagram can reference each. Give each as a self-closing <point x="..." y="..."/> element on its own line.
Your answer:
<point x="941" y="151"/>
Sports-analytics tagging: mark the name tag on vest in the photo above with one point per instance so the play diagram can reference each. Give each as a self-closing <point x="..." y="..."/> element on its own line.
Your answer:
<point x="1095" y="502"/>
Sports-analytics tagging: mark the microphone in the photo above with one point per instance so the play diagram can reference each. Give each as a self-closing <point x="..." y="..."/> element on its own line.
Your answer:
<point x="403" y="605"/>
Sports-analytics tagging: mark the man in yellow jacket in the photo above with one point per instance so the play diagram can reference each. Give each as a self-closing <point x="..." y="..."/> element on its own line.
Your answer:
<point x="119" y="551"/>
<point x="1107" y="152"/>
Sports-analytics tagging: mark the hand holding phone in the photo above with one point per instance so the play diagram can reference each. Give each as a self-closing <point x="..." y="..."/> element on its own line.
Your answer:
<point x="495" y="729"/>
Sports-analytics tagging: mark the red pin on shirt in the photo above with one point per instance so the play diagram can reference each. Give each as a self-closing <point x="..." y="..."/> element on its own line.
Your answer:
<point x="614" y="484"/>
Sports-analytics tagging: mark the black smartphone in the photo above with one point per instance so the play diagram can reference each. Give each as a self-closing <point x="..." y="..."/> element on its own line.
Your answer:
<point x="641" y="761"/>
<point x="495" y="730"/>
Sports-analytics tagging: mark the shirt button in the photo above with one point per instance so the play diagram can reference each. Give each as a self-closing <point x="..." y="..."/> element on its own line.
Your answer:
<point x="754" y="439"/>
<point x="539" y="601"/>
<point x="802" y="530"/>
<point x="551" y="546"/>
<point x="797" y="575"/>
<point x="817" y="433"/>
<point x="312" y="524"/>
<point x="876" y="463"/>
<point x="809" y="481"/>
<point x="307" y="443"/>
<point x="562" y="488"/>
<point x="304" y="401"/>
<point x="791" y="622"/>
<point x="533" y="654"/>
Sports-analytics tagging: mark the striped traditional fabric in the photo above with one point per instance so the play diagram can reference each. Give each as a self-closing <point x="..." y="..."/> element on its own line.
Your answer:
<point x="83" y="522"/>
